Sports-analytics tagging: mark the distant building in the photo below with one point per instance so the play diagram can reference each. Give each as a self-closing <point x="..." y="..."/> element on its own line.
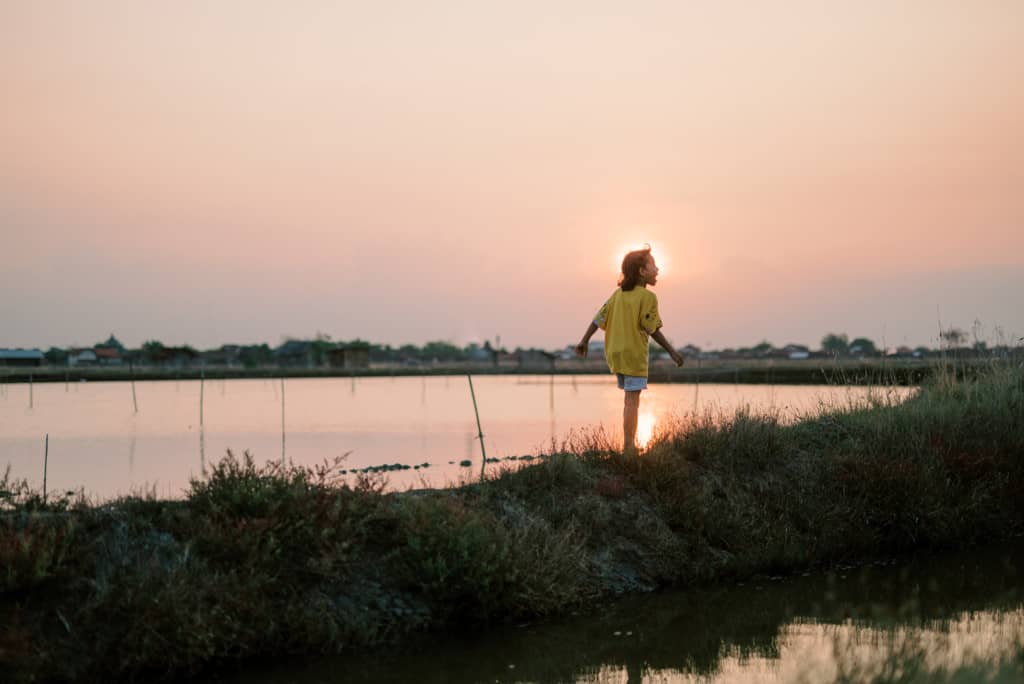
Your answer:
<point x="357" y="356"/>
<point x="568" y="353"/>
<point x="229" y="355"/>
<point x="108" y="356"/>
<point x="111" y="343"/>
<point x="174" y="357"/>
<point x="21" y="358"/>
<point x="294" y="354"/>
<point x="477" y="353"/>
<point x="82" y="357"/>
<point x="535" y="359"/>
<point x="796" y="352"/>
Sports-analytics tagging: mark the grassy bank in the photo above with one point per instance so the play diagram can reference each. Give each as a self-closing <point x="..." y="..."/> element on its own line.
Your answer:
<point x="259" y="561"/>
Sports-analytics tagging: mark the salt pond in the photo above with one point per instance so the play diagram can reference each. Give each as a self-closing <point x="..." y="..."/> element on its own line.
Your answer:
<point x="98" y="442"/>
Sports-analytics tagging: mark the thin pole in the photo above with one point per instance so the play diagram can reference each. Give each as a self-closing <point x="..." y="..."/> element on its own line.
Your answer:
<point x="551" y="408"/>
<point x="31" y="391"/>
<point x="135" y="402"/>
<point x="202" y="435"/>
<point x="483" y="451"/>
<point x="46" y="463"/>
<point x="202" y="387"/>
<point x="696" y="387"/>
<point x="282" y="421"/>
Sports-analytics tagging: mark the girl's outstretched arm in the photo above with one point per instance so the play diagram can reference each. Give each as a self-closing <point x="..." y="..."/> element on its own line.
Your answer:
<point x="581" y="348"/>
<point x="660" y="339"/>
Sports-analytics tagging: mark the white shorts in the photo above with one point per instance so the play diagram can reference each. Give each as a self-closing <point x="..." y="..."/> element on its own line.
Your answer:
<point x="631" y="383"/>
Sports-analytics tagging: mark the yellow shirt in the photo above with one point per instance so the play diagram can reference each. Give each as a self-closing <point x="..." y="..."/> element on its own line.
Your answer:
<point x="627" y="319"/>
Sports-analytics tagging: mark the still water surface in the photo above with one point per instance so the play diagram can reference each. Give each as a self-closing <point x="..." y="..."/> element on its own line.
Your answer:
<point x="906" y="620"/>
<point x="98" y="442"/>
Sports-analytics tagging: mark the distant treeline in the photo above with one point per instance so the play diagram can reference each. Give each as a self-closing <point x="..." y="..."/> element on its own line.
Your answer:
<point x="324" y="351"/>
<point x="291" y="352"/>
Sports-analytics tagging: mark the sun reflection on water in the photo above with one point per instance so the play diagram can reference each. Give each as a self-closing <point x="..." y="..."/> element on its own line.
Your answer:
<point x="644" y="428"/>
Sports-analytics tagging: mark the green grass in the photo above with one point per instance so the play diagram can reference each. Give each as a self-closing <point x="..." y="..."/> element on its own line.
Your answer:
<point x="266" y="560"/>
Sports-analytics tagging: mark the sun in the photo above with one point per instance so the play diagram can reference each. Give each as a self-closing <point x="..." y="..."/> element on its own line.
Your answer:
<point x="661" y="257"/>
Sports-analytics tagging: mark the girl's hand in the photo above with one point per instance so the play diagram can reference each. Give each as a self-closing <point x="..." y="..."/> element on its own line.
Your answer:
<point x="677" y="357"/>
<point x="581" y="349"/>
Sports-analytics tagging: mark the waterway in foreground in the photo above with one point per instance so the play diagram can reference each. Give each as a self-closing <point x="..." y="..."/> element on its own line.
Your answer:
<point x="934" y="618"/>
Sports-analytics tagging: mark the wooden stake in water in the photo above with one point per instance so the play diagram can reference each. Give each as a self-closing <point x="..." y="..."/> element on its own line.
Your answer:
<point x="135" y="402"/>
<point x="46" y="463"/>
<point x="202" y="385"/>
<point x="202" y="436"/>
<point x="282" y="420"/>
<point x="696" y="387"/>
<point x="483" y="451"/>
<point x="551" y="408"/>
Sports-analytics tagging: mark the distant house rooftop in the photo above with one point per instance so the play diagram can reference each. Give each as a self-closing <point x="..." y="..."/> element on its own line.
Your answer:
<point x="20" y="355"/>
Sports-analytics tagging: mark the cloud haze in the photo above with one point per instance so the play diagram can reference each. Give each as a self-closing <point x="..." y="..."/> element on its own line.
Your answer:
<point x="235" y="171"/>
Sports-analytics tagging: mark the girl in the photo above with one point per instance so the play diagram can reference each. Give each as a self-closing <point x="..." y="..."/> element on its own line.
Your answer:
<point x="628" y="317"/>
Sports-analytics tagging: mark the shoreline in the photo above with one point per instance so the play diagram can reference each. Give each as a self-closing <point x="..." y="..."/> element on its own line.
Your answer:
<point x="845" y="372"/>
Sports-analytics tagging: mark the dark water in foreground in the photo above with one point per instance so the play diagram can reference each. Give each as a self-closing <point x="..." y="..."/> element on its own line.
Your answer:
<point x="952" y="617"/>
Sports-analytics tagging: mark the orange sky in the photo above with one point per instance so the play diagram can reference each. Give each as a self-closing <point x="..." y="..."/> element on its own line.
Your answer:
<point x="237" y="171"/>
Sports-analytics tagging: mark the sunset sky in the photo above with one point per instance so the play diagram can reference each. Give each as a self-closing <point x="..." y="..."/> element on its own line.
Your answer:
<point x="239" y="171"/>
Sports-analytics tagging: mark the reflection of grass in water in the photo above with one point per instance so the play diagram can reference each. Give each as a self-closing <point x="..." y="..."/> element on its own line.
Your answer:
<point x="924" y="656"/>
<point x="281" y="559"/>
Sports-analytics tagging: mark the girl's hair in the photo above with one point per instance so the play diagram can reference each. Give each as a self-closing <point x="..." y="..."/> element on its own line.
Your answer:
<point x="631" y="265"/>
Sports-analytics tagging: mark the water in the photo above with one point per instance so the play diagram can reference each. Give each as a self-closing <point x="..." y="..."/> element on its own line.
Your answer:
<point x="926" y="618"/>
<point x="97" y="441"/>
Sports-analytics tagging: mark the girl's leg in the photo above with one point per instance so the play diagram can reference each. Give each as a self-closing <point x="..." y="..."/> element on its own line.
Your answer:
<point x="629" y="417"/>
